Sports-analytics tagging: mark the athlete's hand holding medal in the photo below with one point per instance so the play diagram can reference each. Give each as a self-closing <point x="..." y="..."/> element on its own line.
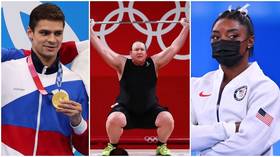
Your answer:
<point x="60" y="98"/>
<point x="70" y="108"/>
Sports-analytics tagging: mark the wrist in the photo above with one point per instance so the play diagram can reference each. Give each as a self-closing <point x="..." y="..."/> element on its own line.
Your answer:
<point x="80" y="128"/>
<point x="75" y="120"/>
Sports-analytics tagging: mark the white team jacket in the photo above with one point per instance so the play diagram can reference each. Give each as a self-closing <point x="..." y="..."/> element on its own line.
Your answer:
<point x="213" y="126"/>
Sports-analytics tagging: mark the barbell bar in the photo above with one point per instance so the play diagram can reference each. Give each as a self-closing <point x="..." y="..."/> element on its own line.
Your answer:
<point x="132" y="22"/>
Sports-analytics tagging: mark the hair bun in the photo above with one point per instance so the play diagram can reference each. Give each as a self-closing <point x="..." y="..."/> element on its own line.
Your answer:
<point x="243" y="10"/>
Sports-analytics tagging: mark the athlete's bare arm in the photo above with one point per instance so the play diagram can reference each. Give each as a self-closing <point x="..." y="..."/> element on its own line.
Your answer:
<point x="112" y="58"/>
<point x="165" y="56"/>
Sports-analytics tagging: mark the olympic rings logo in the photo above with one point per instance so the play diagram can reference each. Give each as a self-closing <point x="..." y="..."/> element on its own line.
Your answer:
<point x="148" y="32"/>
<point x="151" y="139"/>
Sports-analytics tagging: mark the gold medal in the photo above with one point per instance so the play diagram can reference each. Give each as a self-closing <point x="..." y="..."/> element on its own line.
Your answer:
<point x="58" y="96"/>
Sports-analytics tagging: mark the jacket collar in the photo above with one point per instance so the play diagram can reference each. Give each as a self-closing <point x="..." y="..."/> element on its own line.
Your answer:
<point x="39" y="66"/>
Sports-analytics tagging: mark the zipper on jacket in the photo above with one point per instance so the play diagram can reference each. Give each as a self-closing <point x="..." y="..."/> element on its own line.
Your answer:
<point x="38" y="118"/>
<point x="218" y="104"/>
<point x="44" y="70"/>
<point x="37" y="125"/>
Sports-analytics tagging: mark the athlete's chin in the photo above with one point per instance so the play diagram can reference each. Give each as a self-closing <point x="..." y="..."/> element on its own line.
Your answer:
<point x="140" y="62"/>
<point x="51" y="51"/>
<point x="50" y="54"/>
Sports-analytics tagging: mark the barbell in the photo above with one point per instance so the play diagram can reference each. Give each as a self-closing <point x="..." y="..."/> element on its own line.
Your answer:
<point x="131" y="22"/>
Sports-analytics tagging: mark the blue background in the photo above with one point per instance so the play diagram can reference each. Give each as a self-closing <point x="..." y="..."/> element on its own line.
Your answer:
<point x="76" y="15"/>
<point x="266" y="20"/>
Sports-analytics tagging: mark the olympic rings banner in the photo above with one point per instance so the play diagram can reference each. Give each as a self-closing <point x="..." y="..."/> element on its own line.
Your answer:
<point x="173" y="80"/>
<point x="119" y="37"/>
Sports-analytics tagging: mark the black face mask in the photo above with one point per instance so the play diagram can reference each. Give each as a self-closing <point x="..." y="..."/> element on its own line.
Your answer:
<point x="226" y="52"/>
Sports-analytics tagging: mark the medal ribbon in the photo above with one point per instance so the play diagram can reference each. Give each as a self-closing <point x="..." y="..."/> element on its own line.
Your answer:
<point x="37" y="80"/>
<point x="59" y="76"/>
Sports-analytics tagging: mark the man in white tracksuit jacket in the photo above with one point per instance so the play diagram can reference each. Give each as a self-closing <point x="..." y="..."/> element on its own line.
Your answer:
<point x="235" y="110"/>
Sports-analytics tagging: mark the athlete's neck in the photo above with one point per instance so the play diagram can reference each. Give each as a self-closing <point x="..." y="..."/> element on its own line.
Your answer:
<point x="231" y="72"/>
<point x="39" y="64"/>
<point x="46" y="61"/>
<point x="138" y="63"/>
